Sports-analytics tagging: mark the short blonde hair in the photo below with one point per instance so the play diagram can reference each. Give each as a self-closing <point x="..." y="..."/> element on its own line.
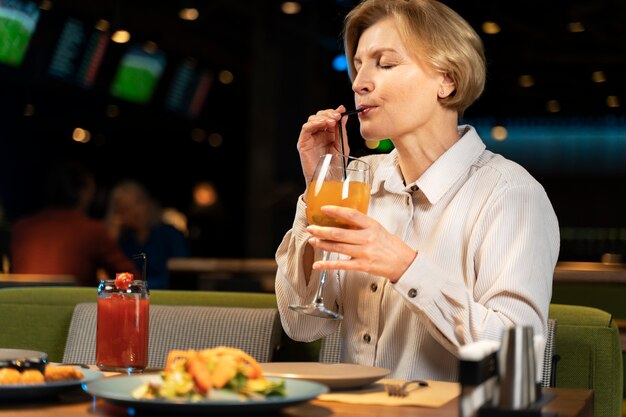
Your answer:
<point x="436" y="34"/>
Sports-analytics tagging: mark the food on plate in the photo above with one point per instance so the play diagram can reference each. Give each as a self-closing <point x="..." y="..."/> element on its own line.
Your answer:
<point x="221" y="373"/>
<point x="32" y="376"/>
<point x="11" y="376"/>
<point x="62" y="373"/>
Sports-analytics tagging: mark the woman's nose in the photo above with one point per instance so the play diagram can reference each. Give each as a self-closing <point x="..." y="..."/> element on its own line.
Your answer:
<point x="362" y="83"/>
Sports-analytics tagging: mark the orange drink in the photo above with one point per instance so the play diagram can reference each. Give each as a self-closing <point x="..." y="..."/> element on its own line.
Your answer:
<point x="338" y="180"/>
<point x="353" y="194"/>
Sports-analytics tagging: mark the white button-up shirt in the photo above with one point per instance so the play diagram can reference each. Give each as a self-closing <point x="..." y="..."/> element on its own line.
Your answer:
<point x="487" y="242"/>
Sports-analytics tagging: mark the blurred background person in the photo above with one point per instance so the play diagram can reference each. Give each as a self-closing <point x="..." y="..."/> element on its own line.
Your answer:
<point x="61" y="239"/>
<point x="207" y="221"/>
<point x="134" y="220"/>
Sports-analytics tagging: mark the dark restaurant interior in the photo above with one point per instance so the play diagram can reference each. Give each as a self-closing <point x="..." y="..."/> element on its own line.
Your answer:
<point x="185" y="95"/>
<point x="233" y="81"/>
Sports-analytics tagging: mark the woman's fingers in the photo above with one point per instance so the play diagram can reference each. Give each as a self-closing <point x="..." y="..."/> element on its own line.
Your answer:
<point x="318" y="136"/>
<point x="322" y="125"/>
<point x="348" y="215"/>
<point x="368" y="246"/>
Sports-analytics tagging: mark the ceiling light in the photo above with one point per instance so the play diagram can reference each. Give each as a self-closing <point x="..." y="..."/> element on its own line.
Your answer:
<point x="291" y="7"/>
<point x="120" y="36"/>
<point x="150" y="47"/>
<point x="598" y="76"/>
<point x="526" y="80"/>
<point x="499" y="133"/>
<point x="102" y="25"/>
<point x="490" y="28"/>
<point x="553" y="106"/>
<point x="45" y="5"/>
<point x="215" y="140"/>
<point x="575" y="27"/>
<point x="189" y="13"/>
<point x="226" y="77"/>
<point x="612" y="101"/>
<point x="81" y="135"/>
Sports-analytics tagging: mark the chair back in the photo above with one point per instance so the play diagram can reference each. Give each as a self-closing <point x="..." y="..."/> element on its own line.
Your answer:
<point x="550" y="359"/>
<point x="257" y="331"/>
<point x="590" y="355"/>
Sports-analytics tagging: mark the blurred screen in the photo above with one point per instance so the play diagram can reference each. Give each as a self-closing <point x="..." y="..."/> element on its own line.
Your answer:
<point x="188" y="90"/>
<point x="78" y="54"/>
<point x="18" y="20"/>
<point x="138" y="74"/>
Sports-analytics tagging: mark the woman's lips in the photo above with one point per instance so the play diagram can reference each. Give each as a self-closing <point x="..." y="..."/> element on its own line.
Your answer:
<point x="366" y="109"/>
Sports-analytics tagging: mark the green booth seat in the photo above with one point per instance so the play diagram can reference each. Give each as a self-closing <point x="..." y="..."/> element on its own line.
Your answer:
<point x="590" y="355"/>
<point x="39" y="318"/>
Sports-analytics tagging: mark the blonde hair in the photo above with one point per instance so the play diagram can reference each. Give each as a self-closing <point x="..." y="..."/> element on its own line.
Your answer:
<point x="436" y="34"/>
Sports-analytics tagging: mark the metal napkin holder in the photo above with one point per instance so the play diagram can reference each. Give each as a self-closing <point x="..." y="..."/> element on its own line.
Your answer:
<point x="479" y="391"/>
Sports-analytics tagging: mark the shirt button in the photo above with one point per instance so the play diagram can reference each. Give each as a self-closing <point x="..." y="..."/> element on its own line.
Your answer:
<point x="412" y="293"/>
<point x="367" y="338"/>
<point x="373" y="287"/>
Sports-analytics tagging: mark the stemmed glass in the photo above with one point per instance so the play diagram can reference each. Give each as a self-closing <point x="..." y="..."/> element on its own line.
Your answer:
<point x="338" y="180"/>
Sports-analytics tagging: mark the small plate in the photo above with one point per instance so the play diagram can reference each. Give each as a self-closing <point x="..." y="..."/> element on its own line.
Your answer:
<point x="48" y="389"/>
<point x="22" y="359"/>
<point x="334" y="375"/>
<point x="119" y="390"/>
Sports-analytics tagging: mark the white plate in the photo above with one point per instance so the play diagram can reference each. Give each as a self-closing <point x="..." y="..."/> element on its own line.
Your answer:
<point x="48" y="389"/>
<point x="9" y="354"/>
<point x="334" y="375"/>
<point x="118" y="390"/>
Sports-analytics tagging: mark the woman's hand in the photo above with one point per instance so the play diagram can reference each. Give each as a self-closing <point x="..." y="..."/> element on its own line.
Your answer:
<point x="371" y="248"/>
<point x="319" y="136"/>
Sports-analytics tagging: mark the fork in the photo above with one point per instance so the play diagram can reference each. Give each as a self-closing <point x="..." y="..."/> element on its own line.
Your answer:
<point x="401" y="390"/>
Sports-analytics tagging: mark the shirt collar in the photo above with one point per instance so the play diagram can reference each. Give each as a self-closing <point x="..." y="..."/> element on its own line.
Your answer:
<point x="441" y="175"/>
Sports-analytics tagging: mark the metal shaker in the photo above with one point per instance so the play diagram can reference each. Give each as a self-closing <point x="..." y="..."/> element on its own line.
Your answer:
<point x="517" y="368"/>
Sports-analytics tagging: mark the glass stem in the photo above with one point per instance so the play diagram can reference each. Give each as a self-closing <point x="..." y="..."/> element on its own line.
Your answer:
<point x="319" y="298"/>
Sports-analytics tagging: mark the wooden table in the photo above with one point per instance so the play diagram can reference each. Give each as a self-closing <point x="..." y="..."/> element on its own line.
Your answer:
<point x="265" y="269"/>
<point x="223" y="265"/>
<point x="15" y="280"/>
<point x="262" y="270"/>
<point x="589" y="273"/>
<point x="567" y="403"/>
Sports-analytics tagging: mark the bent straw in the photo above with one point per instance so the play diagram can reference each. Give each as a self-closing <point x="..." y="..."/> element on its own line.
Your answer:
<point x="343" y="154"/>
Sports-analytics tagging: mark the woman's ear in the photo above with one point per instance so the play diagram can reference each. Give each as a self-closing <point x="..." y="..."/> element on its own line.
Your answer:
<point x="446" y="87"/>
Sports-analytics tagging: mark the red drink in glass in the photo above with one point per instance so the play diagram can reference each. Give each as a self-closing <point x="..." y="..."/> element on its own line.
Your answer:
<point x="123" y="325"/>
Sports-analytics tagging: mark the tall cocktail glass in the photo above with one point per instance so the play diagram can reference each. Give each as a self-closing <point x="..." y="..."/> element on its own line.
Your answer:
<point x="340" y="181"/>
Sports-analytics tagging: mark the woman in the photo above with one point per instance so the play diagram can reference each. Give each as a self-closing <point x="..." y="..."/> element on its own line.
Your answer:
<point x="458" y="244"/>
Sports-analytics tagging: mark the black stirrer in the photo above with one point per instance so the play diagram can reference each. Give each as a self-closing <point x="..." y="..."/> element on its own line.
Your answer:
<point x="343" y="154"/>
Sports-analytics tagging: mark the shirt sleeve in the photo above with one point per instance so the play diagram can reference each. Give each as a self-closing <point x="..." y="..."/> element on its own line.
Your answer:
<point x="291" y="288"/>
<point x="510" y="260"/>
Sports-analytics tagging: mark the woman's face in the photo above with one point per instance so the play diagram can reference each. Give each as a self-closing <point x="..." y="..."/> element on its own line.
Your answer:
<point x="398" y="91"/>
